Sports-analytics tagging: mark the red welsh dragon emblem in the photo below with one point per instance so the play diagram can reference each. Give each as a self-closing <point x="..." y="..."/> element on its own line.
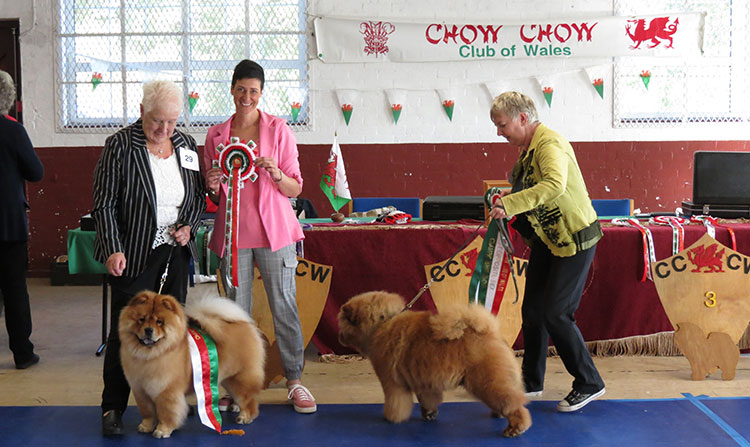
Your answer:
<point x="660" y="28"/>
<point x="376" y="36"/>
<point x="329" y="172"/>
<point x="469" y="260"/>
<point x="707" y="257"/>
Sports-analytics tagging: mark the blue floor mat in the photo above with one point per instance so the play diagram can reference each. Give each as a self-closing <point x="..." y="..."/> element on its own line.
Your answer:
<point x="670" y="422"/>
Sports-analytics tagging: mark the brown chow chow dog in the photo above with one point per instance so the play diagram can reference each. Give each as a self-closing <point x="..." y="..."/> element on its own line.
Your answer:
<point x="156" y="359"/>
<point x="426" y="354"/>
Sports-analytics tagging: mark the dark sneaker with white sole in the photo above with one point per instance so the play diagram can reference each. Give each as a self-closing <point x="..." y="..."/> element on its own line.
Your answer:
<point x="575" y="400"/>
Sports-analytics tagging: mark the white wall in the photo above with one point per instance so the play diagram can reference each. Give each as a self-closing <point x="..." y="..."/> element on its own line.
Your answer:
<point x="580" y="116"/>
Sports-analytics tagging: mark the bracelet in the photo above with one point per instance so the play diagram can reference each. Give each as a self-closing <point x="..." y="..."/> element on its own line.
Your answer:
<point x="281" y="177"/>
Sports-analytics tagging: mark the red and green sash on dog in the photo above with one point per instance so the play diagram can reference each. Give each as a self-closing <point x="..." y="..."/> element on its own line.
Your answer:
<point x="205" y="361"/>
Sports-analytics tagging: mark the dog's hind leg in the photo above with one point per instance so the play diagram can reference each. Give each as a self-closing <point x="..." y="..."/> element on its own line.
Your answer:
<point x="503" y="398"/>
<point x="428" y="403"/>
<point x="245" y="391"/>
<point x="398" y="403"/>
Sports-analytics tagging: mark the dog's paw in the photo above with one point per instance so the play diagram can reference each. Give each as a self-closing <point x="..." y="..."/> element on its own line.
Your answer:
<point x="429" y="415"/>
<point x="244" y="418"/>
<point x="146" y="426"/>
<point x="512" y="431"/>
<point x="162" y="432"/>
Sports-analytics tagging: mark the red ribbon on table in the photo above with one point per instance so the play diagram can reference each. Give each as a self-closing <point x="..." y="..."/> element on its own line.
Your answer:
<point x="710" y="222"/>
<point x="678" y="232"/>
<point x="648" y="244"/>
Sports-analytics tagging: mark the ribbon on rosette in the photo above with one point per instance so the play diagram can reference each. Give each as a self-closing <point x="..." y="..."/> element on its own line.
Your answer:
<point x="649" y="254"/>
<point x="237" y="162"/>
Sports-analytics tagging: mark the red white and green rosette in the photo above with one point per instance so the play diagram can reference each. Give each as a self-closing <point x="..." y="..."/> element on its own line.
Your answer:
<point x="237" y="162"/>
<point x="711" y="223"/>
<point x="205" y="361"/>
<point x="678" y="231"/>
<point x="649" y="254"/>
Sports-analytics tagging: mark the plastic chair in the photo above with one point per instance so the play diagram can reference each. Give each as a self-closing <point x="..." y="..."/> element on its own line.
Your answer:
<point x="411" y="205"/>
<point x="613" y="207"/>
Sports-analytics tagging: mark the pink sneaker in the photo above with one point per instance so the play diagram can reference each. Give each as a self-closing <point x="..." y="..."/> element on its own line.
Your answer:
<point x="302" y="399"/>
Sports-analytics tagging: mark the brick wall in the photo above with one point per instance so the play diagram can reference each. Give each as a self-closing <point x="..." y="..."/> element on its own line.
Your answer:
<point x="656" y="174"/>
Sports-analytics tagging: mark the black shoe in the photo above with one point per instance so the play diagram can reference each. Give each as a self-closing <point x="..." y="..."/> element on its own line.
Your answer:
<point x="112" y="423"/>
<point x="575" y="400"/>
<point x="31" y="362"/>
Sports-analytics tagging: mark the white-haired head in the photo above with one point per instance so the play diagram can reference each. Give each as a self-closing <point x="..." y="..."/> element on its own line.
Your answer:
<point x="7" y="92"/>
<point x="513" y="104"/>
<point x="160" y="94"/>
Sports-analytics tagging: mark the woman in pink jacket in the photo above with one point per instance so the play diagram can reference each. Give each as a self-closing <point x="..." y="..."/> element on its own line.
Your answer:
<point x="267" y="226"/>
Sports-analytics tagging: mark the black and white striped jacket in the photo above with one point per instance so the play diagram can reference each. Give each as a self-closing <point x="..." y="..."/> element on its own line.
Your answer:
<point x="125" y="197"/>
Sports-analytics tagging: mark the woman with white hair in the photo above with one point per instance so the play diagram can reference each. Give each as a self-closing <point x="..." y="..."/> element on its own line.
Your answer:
<point x="557" y="221"/>
<point x="149" y="195"/>
<point x="18" y="164"/>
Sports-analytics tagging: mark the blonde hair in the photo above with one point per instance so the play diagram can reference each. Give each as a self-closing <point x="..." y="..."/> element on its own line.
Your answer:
<point x="7" y="92"/>
<point x="161" y="94"/>
<point x="513" y="104"/>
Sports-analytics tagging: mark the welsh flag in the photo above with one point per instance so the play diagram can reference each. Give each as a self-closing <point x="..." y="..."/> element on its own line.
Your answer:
<point x="333" y="183"/>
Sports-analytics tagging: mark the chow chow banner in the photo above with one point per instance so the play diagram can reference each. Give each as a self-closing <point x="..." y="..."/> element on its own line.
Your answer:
<point x="366" y="40"/>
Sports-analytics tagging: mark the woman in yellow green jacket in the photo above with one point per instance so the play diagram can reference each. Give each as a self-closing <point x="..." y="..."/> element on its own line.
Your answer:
<point x="557" y="221"/>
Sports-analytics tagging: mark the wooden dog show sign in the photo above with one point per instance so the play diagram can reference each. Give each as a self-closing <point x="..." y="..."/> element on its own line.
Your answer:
<point x="451" y="287"/>
<point x="705" y="292"/>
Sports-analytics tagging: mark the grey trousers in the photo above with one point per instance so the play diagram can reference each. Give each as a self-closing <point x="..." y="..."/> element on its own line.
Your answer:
<point x="278" y="269"/>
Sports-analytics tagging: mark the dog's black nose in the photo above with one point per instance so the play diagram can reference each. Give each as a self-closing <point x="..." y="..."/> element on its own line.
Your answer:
<point x="149" y="331"/>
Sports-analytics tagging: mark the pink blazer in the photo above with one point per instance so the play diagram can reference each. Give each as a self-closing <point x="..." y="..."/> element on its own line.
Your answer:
<point x="279" y="221"/>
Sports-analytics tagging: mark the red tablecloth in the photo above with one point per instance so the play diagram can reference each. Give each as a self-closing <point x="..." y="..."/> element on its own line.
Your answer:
<point x="615" y="303"/>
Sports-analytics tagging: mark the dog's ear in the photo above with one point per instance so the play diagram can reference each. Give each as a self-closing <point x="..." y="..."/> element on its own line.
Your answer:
<point x="349" y="314"/>
<point x="169" y="303"/>
<point x="140" y="298"/>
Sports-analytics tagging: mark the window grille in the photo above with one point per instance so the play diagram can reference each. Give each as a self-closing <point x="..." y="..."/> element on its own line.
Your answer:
<point x="687" y="91"/>
<point x="106" y="49"/>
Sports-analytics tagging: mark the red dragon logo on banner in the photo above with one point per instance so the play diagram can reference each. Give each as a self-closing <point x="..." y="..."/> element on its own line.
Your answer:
<point x="376" y="36"/>
<point x="707" y="257"/>
<point x="659" y="29"/>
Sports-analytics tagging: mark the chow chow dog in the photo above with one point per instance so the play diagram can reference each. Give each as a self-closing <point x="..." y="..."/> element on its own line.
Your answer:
<point x="426" y="354"/>
<point x="156" y="359"/>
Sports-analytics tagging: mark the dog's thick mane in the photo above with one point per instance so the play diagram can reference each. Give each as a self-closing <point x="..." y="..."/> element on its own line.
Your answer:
<point x="213" y="307"/>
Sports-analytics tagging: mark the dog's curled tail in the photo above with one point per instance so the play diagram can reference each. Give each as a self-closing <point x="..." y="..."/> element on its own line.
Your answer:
<point x="453" y="323"/>
<point x="216" y="307"/>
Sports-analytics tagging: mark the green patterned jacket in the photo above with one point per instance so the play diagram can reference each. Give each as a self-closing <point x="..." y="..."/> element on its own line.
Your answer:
<point x="552" y="194"/>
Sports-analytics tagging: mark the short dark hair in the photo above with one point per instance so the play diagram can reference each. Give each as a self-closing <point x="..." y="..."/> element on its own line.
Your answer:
<point x="248" y="69"/>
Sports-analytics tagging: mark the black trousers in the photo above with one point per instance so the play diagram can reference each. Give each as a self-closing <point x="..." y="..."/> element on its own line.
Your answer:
<point x="14" y="258"/>
<point x="554" y="286"/>
<point x="116" y="389"/>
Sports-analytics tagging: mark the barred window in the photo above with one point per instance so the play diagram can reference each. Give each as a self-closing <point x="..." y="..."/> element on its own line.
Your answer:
<point x="712" y="88"/>
<point x="107" y="48"/>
